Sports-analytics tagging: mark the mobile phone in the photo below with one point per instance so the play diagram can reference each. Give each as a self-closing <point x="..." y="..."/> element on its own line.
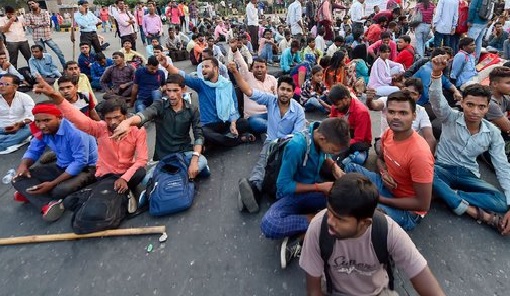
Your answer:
<point x="35" y="187"/>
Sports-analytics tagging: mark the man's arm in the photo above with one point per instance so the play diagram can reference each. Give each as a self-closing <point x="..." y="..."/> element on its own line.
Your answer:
<point x="362" y="128"/>
<point x="428" y="135"/>
<point x="374" y="105"/>
<point x="141" y="154"/>
<point x="7" y="25"/>
<point x="106" y="78"/>
<point x="420" y="202"/>
<point x="437" y="100"/>
<point x="313" y="285"/>
<point x="502" y="123"/>
<point x="243" y="85"/>
<point x="34" y="70"/>
<point x="426" y="284"/>
<point x="134" y="93"/>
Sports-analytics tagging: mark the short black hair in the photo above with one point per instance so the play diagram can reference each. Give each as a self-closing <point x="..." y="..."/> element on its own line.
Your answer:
<point x="286" y="79"/>
<point x="338" y="92"/>
<point x="84" y="43"/>
<point x="157" y="47"/>
<point x="69" y="63"/>
<point x="402" y="96"/>
<point x="416" y="83"/>
<point x="152" y="61"/>
<point x="477" y="90"/>
<point x="498" y="73"/>
<point x="15" y="79"/>
<point x="436" y="52"/>
<point x="37" y="46"/>
<point x="339" y="39"/>
<point x="67" y="78"/>
<point x="9" y="9"/>
<point x="118" y="53"/>
<point x="385" y="35"/>
<point x="294" y="44"/>
<point x="465" y="42"/>
<point x="114" y="104"/>
<point x="353" y="195"/>
<point x="406" y="38"/>
<point x="213" y="60"/>
<point x="175" y="79"/>
<point x="384" y="48"/>
<point x="382" y="19"/>
<point x="335" y="131"/>
<point x="100" y="56"/>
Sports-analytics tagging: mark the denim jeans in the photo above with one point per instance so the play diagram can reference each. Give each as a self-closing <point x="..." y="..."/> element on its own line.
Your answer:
<point x="142" y="103"/>
<point x="142" y="35"/>
<point x="313" y="104"/>
<point x="454" y="42"/>
<point x="477" y="32"/>
<point x="258" y="123"/>
<point x="506" y="49"/>
<point x="7" y="140"/>
<point x="443" y="38"/>
<point x="459" y="188"/>
<point x="203" y="168"/>
<point x="286" y="217"/>
<point x="406" y="219"/>
<point x="259" y="170"/>
<point x="267" y="53"/>
<point x="422" y="35"/>
<point x="53" y="47"/>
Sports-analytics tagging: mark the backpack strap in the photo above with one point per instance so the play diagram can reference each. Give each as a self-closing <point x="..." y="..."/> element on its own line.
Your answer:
<point x="380" y="243"/>
<point x="308" y="140"/>
<point x="326" y="244"/>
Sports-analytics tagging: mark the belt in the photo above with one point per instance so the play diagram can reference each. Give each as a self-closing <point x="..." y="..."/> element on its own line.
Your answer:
<point x="89" y="32"/>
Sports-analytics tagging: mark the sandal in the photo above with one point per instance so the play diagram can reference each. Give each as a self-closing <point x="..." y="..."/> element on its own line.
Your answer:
<point x="494" y="220"/>
<point x="248" y="138"/>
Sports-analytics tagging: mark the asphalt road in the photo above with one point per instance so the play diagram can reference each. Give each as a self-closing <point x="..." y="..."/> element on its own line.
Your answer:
<point x="212" y="249"/>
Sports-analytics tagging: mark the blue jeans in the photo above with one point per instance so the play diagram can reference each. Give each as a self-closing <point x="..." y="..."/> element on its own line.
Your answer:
<point x="142" y="103"/>
<point x="422" y="35"/>
<point x="7" y="140"/>
<point x="441" y="38"/>
<point x="477" y="32"/>
<point x="203" y="168"/>
<point x="267" y="53"/>
<point x="258" y="123"/>
<point x="53" y="47"/>
<point x="313" y="104"/>
<point x="142" y="35"/>
<point x="286" y="216"/>
<point x="454" y="42"/>
<point x="506" y="49"/>
<point x="469" y="190"/>
<point x="406" y="219"/>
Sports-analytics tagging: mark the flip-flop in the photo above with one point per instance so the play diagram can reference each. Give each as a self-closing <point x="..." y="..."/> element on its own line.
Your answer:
<point x="494" y="220"/>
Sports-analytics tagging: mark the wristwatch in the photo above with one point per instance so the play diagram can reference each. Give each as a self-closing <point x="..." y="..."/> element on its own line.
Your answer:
<point x="196" y="154"/>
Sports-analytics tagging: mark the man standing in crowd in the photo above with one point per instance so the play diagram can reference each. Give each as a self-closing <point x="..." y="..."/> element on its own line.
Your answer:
<point x="39" y="21"/>
<point x="477" y="25"/>
<point x="445" y="22"/>
<point x="139" y="14"/>
<point x="87" y="22"/>
<point x="126" y="24"/>
<point x="353" y="267"/>
<point x="252" y="17"/>
<point x="357" y="14"/>
<point x="295" y="19"/>
<point x="152" y="25"/>
<point x="15" y="40"/>
<point x="15" y="114"/>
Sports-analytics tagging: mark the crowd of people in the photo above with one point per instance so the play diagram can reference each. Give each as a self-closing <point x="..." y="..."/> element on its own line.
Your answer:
<point x="438" y="76"/>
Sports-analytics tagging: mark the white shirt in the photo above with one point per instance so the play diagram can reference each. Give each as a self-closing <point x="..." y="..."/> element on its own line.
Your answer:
<point x="16" y="33"/>
<point x="320" y="44"/>
<point x="284" y="44"/>
<point x="252" y="15"/>
<point x="356" y="12"/>
<point x="331" y="49"/>
<point x="446" y="16"/>
<point x="294" y="15"/>
<point x="422" y="118"/>
<point x="20" y="109"/>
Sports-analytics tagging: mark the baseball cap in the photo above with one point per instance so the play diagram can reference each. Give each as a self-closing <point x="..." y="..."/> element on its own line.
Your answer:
<point x="81" y="2"/>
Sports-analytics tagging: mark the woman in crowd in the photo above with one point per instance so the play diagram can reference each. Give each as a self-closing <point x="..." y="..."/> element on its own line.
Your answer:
<point x="384" y="72"/>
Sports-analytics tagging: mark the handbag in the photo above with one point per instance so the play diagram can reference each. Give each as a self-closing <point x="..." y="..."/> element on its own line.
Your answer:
<point x="416" y="19"/>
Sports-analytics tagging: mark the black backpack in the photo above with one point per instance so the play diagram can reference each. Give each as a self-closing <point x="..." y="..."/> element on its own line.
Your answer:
<point x="97" y="207"/>
<point x="274" y="163"/>
<point x="379" y="241"/>
<point x="486" y="9"/>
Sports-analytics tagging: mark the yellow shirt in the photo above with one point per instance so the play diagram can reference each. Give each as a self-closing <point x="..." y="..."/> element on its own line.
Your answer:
<point x="83" y="86"/>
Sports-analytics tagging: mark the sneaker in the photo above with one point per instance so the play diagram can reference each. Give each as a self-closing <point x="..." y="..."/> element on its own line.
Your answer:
<point x="246" y="195"/>
<point x="291" y="248"/>
<point x="53" y="210"/>
<point x="9" y="150"/>
<point x="19" y="197"/>
<point x="132" y="204"/>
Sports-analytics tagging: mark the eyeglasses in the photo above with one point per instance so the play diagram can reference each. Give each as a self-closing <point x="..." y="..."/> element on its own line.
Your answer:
<point x="6" y="84"/>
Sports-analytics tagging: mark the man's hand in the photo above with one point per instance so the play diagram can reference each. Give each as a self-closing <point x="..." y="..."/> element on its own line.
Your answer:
<point x="12" y="129"/>
<point x="388" y="181"/>
<point x="457" y="95"/>
<point x="42" y="188"/>
<point x="233" y="129"/>
<point x="232" y="67"/>
<point x="325" y="187"/>
<point x="439" y="63"/>
<point x="505" y="224"/>
<point x="193" y="168"/>
<point x="337" y="171"/>
<point x="120" y="185"/>
<point x="6" y="65"/>
<point x="121" y="130"/>
<point x="42" y="87"/>
<point x="22" y="171"/>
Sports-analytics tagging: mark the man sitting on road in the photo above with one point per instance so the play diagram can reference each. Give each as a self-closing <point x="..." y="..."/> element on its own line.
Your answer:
<point x="98" y="68"/>
<point x="117" y="80"/>
<point x="123" y="158"/>
<point x="42" y="64"/>
<point x="354" y="268"/>
<point x="300" y="190"/>
<point x="15" y="114"/>
<point x="208" y="54"/>
<point x="72" y="69"/>
<point x="285" y="116"/>
<point x="86" y="59"/>
<point x="148" y="80"/>
<point x="405" y="163"/>
<point x="466" y="135"/>
<point x="218" y="106"/>
<point x="174" y="117"/>
<point x="68" y="88"/>
<point x="46" y="185"/>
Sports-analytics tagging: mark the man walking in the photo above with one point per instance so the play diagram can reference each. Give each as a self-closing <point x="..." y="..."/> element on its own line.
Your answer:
<point x="252" y="17"/>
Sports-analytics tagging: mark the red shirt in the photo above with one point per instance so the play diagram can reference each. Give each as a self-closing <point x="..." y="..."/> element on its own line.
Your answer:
<point x="387" y="13"/>
<point x="359" y="121"/>
<point x="406" y="56"/>
<point x="373" y="33"/>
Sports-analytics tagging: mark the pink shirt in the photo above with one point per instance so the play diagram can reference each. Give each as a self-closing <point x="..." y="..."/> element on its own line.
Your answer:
<point x="125" y="28"/>
<point x="152" y="24"/>
<point x="122" y="157"/>
<point x="428" y="13"/>
<point x="220" y="30"/>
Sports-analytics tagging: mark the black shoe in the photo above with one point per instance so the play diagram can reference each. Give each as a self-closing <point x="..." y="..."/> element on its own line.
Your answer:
<point x="291" y="248"/>
<point x="246" y="198"/>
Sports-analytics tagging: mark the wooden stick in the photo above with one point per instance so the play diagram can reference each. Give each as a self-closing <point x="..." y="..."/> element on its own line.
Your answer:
<point x="73" y="236"/>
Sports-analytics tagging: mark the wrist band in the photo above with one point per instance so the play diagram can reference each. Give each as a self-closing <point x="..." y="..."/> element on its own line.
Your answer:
<point x="435" y="77"/>
<point x="316" y="187"/>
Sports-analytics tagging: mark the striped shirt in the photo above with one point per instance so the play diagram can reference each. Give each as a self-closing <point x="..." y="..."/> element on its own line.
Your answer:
<point x="427" y="13"/>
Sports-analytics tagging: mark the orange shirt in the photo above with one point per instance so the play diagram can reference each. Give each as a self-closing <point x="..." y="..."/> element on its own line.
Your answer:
<point x="332" y="77"/>
<point x="122" y="157"/>
<point x="373" y="33"/>
<point x="408" y="161"/>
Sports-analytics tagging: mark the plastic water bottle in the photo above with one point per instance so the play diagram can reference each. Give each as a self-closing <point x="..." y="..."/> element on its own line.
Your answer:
<point x="350" y="158"/>
<point x="10" y="175"/>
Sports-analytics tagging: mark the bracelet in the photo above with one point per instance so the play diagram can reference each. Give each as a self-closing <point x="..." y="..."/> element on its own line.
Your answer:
<point x="436" y="77"/>
<point x="316" y="187"/>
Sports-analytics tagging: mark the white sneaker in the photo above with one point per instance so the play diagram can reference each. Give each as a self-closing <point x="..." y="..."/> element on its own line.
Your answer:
<point x="9" y="150"/>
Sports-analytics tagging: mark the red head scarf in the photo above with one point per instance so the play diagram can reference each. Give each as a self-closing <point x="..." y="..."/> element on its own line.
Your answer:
<point x="43" y="109"/>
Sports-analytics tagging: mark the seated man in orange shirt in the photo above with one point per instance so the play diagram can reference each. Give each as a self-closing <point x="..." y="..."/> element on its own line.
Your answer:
<point x="406" y="165"/>
<point x="123" y="159"/>
<point x="406" y="51"/>
<point x="373" y="34"/>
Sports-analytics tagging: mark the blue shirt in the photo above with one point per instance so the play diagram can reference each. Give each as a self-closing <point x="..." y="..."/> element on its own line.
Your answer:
<point x="424" y="74"/>
<point x="292" y="170"/>
<point x="288" y="59"/>
<point x="45" y="66"/>
<point x="97" y="70"/>
<point x="207" y="99"/>
<point x="463" y="67"/>
<point x="84" y="62"/>
<point x="148" y="82"/>
<point x="458" y="147"/>
<point x="86" y="22"/>
<point x="293" y="120"/>
<point x="75" y="149"/>
<point x="222" y="69"/>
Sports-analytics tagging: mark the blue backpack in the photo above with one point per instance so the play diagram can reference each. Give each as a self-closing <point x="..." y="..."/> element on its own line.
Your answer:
<point x="170" y="190"/>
